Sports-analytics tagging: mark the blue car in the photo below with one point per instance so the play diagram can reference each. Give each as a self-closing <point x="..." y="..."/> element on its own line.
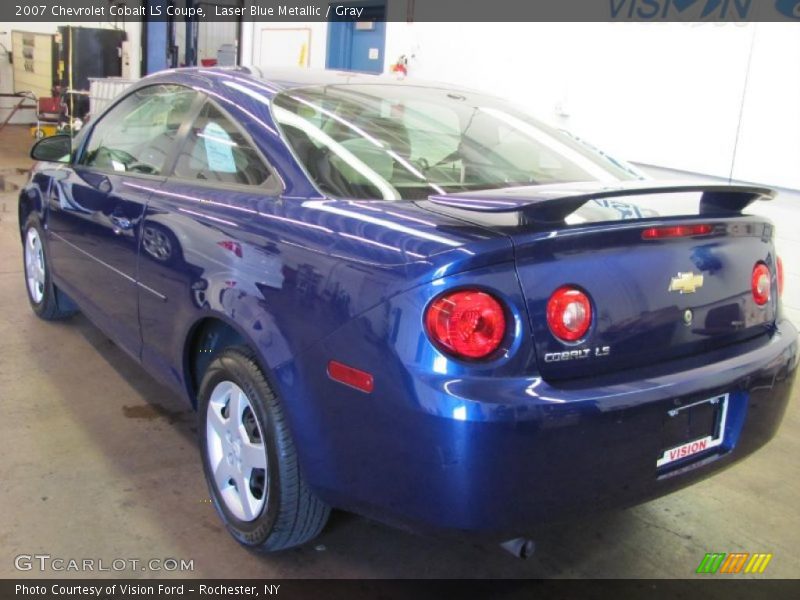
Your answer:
<point x="410" y="301"/>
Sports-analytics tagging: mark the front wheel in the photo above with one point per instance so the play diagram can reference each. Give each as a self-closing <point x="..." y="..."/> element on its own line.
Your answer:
<point x="45" y="298"/>
<point x="249" y="459"/>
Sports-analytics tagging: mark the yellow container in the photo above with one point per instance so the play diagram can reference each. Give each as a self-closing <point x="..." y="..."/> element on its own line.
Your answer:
<point x="44" y="130"/>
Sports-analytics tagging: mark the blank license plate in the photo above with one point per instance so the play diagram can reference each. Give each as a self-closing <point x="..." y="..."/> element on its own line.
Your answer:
<point x="693" y="429"/>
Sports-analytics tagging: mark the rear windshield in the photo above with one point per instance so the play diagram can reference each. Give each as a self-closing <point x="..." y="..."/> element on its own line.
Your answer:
<point x="397" y="142"/>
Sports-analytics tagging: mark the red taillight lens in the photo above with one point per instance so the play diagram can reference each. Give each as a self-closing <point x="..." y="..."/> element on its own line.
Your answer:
<point x="761" y="284"/>
<point x="468" y="323"/>
<point x="232" y="246"/>
<point x="569" y="314"/>
<point x="675" y="231"/>
<point x="779" y="269"/>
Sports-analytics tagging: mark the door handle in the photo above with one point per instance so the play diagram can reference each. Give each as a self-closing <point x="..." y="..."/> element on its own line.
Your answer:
<point x="121" y="224"/>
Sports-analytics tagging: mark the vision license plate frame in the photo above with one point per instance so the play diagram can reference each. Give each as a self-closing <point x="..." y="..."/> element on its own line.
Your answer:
<point x="693" y="429"/>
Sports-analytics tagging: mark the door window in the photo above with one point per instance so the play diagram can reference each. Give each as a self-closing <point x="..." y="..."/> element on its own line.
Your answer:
<point x="136" y="136"/>
<point x="217" y="151"/>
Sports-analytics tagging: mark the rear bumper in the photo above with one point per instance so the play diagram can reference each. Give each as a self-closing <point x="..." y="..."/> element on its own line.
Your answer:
<point x="502" y="455"/>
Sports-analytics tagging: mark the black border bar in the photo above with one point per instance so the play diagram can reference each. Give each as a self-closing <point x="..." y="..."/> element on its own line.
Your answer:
<point x="119" y="11"/>
<point x="707" y="588"/>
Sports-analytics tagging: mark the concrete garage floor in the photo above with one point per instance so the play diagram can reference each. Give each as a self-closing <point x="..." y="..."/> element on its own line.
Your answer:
<point x="101" y="462"/>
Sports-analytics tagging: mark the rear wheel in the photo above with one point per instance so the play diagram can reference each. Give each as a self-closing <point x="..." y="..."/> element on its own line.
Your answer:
<point x="45" y="298"/>
<point x="249" y="458"/>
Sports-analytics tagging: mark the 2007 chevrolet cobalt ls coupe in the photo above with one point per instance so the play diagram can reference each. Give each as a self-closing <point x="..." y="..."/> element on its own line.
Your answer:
<point x="410" y="301"/>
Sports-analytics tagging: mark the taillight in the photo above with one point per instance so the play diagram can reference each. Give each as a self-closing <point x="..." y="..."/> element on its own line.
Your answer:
<point x="467" y="323"/>
<point x="761" y="283"/>
<point x="675" y="231"/>
<point x="779" y="269"/>
<point x="232" y="246"/>
<point x="569" y="314"/>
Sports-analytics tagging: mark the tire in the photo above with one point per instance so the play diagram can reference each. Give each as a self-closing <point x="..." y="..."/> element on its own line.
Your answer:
<point x="278" y="510"/>
<point x="46" y="300"/>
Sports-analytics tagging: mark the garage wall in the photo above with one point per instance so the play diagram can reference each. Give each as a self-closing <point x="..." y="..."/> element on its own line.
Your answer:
<point x="133" y="29"/>
<point x="665" y="94"/>
<point x="769" y="141"/>
<point x="7" y="70"/>
<point x="211" y="36"/>
<point x="255" y="43"/>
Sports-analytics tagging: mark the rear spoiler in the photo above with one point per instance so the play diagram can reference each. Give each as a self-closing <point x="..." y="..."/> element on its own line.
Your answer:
<point x="551" y="204"/>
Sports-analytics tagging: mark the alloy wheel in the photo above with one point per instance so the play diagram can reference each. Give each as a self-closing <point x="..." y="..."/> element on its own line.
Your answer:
<point x="236" y="451"/>
<point x="34" y="265"/>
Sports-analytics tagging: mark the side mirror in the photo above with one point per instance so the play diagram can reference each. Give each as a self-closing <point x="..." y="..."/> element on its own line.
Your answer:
<point x="56" y="148"/>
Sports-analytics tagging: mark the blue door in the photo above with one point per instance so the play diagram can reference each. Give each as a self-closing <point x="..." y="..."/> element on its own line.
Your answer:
<point x="94" y="223"/>
<point x="191" y="240"/>
<point x="97" y="205"/>
<point x="358" y="45"/>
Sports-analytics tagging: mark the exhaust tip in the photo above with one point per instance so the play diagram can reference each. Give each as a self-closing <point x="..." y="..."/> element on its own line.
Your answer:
<point x="519" y="547"/>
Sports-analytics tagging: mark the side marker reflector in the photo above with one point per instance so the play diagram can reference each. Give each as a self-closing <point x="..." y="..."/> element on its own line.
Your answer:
<point x="360" y="380"/>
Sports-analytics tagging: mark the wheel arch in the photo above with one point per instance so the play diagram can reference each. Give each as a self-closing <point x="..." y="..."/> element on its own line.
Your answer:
<point x="205" y="339"/>
<point x="30" y="202"/>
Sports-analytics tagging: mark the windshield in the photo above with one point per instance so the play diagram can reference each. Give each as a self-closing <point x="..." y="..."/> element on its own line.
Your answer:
<point x="403" y="142"/>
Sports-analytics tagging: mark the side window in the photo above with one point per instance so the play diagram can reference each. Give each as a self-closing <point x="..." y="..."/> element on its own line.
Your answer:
<point x="137" y="134"/>
<point x="217" y="151"/>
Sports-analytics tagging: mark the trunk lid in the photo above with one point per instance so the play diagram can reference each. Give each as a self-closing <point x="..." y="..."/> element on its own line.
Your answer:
<point x="653" y="299"/>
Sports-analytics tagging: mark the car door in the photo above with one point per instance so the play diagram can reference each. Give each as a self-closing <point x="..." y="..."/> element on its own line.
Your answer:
<point x="97" y="204"/>
<point x="204" y="244"/>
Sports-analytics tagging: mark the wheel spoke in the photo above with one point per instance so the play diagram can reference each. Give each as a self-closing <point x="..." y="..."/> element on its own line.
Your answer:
<point x="216" y="421"/>
<point x="253" y="456"/>
<point x="236" y="405"/>
<point x="220" y="393"/>
<point x="222" y="474"/>
<point x="244" y="496"/>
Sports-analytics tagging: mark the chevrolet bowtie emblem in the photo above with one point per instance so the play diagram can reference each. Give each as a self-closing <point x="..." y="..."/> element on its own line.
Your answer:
<point x="686" y="283"/>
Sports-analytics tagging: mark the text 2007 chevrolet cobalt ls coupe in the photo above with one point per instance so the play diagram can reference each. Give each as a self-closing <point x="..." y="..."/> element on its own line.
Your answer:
<point x="410" y="301"/>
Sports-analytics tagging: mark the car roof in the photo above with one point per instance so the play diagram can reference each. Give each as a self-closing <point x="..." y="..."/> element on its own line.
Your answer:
<point x="279" y="79"/>
<point x="291" y="78"/>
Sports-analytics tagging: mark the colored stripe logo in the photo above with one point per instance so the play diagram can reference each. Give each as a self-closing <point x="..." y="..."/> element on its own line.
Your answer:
<point x="733" y="563"/>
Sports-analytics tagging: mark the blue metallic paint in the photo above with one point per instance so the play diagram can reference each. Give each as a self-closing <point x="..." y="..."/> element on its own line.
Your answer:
<point x="93" y="216"/>
<point x="490" y="446"/>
